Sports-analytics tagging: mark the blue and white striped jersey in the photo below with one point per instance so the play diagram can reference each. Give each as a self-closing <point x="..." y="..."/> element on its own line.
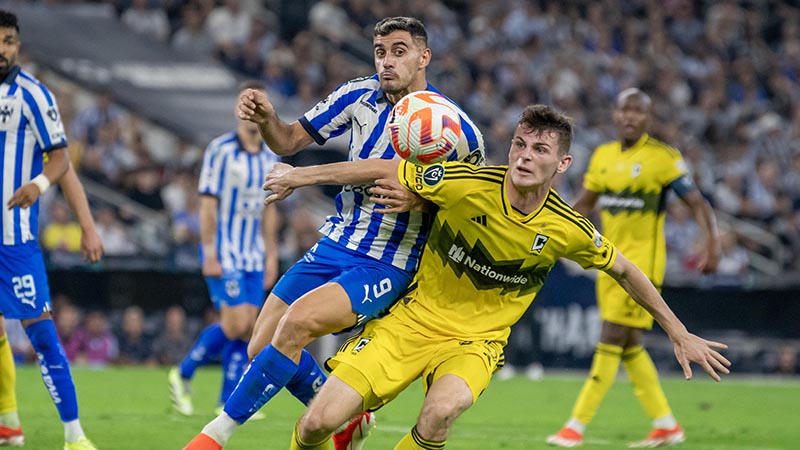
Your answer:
<point x="361" y="107"/>
<point x="30" y="126"/>
<point x="235" y="176"/>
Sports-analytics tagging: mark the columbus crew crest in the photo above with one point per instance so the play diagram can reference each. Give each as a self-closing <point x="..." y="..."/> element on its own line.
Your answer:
<point x="539" y="242"/>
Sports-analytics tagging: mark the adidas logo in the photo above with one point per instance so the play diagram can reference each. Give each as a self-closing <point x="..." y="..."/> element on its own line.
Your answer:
<point x="479" y="219"/>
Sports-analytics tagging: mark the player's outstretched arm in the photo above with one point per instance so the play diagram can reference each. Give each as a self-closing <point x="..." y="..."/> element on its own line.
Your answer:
<point x="284" y="178"/>
<point x="91" y="244"/>
<point x="282" y="138"/>
<point x="27" y="194"/>
<point x="688" y="347"/>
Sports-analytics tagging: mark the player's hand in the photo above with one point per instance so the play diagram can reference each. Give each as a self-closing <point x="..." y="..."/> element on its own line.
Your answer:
<point x="212" y="268"/>
<point x="395" y="198"/>
<point x="24" y="197"/>
<point x="254" y="106"/>
<point x="281" y="181"/>
<point x="695" y="349"/>
<point x="708" y="261"/>
<point x="91" y="246"/>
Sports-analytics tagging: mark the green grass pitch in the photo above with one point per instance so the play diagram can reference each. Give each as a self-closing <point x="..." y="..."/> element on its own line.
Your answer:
<point x="128" y="409"/>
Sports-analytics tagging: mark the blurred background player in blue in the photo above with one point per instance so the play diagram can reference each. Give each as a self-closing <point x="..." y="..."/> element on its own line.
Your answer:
<point x="30" y="127"/>
<point x="239" y="253"/>
<point x="365" y="259"/>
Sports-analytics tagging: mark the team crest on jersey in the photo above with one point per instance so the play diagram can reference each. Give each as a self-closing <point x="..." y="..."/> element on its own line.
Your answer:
<point x="637" y="170"/>
<point x="6" y="111"/>
<point x="539" y="242"/>
<point x="232" y="288"/>
<point x="433" y="174"/>
<point x="360" y="345"/>
<point x="598" y="239"/>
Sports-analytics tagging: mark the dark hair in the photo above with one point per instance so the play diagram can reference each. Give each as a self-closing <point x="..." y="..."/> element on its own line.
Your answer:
<point x="412" y="25"/>
<point x="546" y="118"/>
<point x="8" y="20"/>
<point x="252" y="84"/>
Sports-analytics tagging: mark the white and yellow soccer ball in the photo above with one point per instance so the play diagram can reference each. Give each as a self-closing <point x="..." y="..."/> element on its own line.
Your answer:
<point x="425" y="128"/>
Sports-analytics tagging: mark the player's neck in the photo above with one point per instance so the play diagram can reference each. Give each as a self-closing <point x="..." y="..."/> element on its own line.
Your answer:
<point x="528" y="200"/>
<point x="419" y="85"/>
<point x="250" y="141"/>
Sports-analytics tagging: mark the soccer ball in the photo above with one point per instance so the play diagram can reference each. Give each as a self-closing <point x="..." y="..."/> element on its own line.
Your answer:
<point x="424" y="127"/>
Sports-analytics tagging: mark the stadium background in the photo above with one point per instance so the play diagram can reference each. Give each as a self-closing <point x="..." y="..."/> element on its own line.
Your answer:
<point x="144" y="84"/>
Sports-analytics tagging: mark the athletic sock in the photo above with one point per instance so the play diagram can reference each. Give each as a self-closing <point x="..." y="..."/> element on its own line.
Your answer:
<point x="644" y="377"/>
<point x="266" y="376"/>
<point x="308" y="379"/>
<point x="605" y="365"/>
<point x="208" y="346"/>
<point x="54" y="367"/>
<point x="413" y="441"/>
<point x="8" y="385"/>
<point x="297" y="444"/>
<point x="234" y="359"/>
<point x="73" y="430"/>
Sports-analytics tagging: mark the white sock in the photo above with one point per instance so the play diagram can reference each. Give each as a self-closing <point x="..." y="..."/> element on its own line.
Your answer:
<point x="576" y="425"/>
<point x="9" y="419"/>
<point x="221" y="428"/>
<point x="667" y="422"/>
<point x="73" y="430"/>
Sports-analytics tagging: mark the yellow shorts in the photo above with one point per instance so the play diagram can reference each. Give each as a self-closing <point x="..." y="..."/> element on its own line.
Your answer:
<point x="616" y="306"/>
<point x="389" y="355"/>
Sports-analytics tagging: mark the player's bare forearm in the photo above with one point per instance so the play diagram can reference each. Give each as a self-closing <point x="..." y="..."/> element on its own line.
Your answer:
<point x="282" y="138"/>
<point x="704" y="216"/>
<point x="208" y="226"/>
<point x="57" y="164"/>
<point x="688" y="347"/>
<point x="28" y="193"/>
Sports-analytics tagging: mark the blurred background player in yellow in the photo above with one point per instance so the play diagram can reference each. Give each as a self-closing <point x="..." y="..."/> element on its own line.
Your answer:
<point x="628" y="180"/>
<point x="487" y="256"/>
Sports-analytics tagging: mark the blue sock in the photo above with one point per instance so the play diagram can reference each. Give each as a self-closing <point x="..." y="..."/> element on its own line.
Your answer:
<point x="234" y="358"/>
<point x="308" y="379"/>
<point x="55" y="368"/>
<point x="267" y="375"/>
<point x="208" y="346"/>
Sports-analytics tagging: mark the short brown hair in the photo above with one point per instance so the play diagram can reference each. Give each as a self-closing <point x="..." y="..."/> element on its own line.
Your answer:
<point x="412" y="25"/>
<point x="546" y="118"/>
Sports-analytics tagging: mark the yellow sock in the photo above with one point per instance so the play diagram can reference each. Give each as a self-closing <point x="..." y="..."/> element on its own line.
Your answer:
<point x="644" y="377"/>
<point x="8" y="377"/>
<point x="297" y="444"/>
<point x="605" y="365"/>
<point x="413" y="441"/>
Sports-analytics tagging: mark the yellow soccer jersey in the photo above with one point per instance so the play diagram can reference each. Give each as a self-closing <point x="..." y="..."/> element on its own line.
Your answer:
<point x="632" y="188"/>
<point x="484" y="261"/>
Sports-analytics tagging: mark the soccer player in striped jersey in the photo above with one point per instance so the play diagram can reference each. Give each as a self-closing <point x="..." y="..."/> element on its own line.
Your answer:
<point x="239" y="253"/>
<point x="629" y="180"/>
<point x="365" y="259"/>
<point x="497" y="233"/>
<point x="30" y="126"/>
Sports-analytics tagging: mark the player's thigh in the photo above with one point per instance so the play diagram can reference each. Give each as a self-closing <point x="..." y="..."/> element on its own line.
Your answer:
<point x="24" y="292"/>
<point x="382" y="360"/>
<point x="616" y="306"/>
<point x="322" y="311"/>
<point x="474" y="362"/>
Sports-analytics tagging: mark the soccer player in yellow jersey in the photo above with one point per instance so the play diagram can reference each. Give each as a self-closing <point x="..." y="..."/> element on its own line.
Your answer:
<point x="628" y="180"/>
<point x="497" y="233"/>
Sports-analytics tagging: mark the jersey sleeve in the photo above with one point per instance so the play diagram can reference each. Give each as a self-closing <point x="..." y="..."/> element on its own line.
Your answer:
<point x="211" y="172"/>
<point x="333" y="115"/>
<point x="42" y="113"/>
<point x="428" y="181"/>
<point x="591" y="179"/>
<point x="674" y="167"/>
<point x="595" y="252"/>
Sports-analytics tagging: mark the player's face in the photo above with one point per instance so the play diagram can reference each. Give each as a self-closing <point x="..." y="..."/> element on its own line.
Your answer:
<point x="632" y="116"/>
<point x="9" y="49"/>
<point x="534" y="158"/>
<point x="400" y="62"/>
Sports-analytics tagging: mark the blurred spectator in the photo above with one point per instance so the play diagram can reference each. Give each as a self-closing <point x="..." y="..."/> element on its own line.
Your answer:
<point x="147" y="21"/>
<point x="146" y="188"/>
<point x="68" y="319"/>
<point x="135" y="345"/>
<point x="174" y="341"/>
<point x="192" y="38"/>
<point x="733" y="260"/>
<point x="784" y="361"/>
<point x="113" y="233"/>
<point x="62" y="233"/>
<point x="229" y="26"/>
<point x="97" y="345"/>
<point x="87" y="123"/>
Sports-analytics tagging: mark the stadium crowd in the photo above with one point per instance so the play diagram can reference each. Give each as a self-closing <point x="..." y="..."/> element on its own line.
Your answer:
<point x="724" y="76"/>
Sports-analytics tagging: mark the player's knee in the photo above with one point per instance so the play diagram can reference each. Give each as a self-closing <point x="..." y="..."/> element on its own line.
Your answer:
<point x="441" y="414"/>
<point x="236" y="329"/>
<point x="315" y="423"/>
<point x="294" y="331"/>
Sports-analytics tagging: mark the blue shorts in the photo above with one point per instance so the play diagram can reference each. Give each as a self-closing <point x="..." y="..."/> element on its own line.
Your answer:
<point x="236" y="287"/>
<point x="373" y="286"/>
<point x="24" y="293"/>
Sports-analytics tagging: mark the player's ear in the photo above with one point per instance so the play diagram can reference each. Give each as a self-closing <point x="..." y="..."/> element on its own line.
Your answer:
<point x="564" y="164"/>
<point x="425" y="58"/>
